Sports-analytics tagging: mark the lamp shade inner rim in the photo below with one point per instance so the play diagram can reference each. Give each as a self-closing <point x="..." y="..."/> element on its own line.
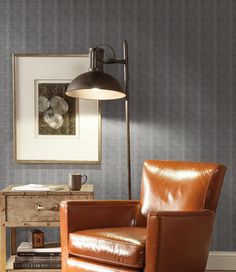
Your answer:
<point x="96" y="94"/>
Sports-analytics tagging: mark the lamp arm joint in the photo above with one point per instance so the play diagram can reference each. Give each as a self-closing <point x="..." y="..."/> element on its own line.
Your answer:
<point x="114" y="61"/>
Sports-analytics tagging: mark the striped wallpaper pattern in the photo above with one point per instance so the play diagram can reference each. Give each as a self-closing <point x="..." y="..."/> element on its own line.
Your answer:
<point x="182" y="88"/>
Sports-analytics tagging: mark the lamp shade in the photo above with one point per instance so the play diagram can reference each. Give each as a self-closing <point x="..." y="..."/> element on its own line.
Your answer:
<point x="95" y="85"/>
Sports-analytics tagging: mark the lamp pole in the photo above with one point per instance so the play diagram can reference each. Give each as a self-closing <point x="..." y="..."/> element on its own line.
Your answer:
<point x="125" y="62"/>
<point x="126" y="83"/>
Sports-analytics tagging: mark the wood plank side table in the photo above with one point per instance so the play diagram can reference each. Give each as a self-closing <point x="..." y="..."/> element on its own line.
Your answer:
<point x="32" y="209"/>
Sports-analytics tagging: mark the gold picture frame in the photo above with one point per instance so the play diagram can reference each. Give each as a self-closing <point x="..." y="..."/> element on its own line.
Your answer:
<point x="43" y="132"/>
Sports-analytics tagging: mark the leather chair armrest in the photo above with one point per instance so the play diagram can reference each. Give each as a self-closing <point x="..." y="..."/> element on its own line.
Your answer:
<point x="79" y="215"/>
<point x="178" y="241"/>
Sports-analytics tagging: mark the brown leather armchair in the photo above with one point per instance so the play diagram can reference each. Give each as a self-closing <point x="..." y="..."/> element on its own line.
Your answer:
<point x="168" y="230"/>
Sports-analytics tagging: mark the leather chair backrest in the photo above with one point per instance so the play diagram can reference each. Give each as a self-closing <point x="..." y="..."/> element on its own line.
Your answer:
<point x="182" y="186"/>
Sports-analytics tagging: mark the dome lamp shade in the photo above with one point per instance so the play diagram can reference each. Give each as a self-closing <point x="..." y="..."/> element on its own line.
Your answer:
<point x="95" y="85"/>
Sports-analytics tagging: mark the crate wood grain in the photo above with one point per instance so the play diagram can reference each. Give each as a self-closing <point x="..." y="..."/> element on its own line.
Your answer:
<point x="31" y="206"/>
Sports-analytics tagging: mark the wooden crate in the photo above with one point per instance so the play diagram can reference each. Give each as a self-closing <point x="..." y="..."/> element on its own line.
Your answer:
<point x="32" y="209"/>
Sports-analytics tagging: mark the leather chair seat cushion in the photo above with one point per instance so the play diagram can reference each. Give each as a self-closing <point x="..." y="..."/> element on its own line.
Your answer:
<point x="123" y="247"/>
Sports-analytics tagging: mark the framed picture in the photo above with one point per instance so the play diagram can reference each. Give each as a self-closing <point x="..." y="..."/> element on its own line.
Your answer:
<point x="49" y="126"/>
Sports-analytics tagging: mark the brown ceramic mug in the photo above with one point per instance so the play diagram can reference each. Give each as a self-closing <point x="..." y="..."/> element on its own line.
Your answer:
<point x="76" y="181"/>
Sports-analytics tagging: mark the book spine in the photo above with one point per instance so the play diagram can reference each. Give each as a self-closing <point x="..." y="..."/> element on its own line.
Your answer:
<point x="19" y="259"/>
<point x="37" y="265"/>
<point x="45" y="254"/>
<point x="37" y="262"/>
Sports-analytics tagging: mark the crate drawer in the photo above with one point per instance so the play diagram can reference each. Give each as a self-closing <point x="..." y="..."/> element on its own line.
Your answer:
<point x="35" y="208"/>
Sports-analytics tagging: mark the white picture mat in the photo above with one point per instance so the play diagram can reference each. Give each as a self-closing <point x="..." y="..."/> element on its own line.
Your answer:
<point x="29" y="147"/>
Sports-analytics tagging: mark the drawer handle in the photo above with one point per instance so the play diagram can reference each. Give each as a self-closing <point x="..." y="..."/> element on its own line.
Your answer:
<point x="40" y="208"/>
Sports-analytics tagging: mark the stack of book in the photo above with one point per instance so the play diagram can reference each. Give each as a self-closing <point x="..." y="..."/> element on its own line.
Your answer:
<point x="48" y="257"/>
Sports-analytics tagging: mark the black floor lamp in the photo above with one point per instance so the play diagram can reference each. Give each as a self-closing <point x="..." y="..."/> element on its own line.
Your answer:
<point x="98" y="85"/>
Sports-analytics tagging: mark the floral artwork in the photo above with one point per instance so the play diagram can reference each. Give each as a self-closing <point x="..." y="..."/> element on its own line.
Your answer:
<point x="56" y="110"/>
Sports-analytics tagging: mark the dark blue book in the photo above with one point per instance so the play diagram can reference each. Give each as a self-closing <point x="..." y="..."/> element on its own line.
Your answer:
<point x="48" y="265"/>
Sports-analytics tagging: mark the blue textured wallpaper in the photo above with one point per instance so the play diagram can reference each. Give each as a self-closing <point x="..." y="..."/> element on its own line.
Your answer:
<point x="182" y="87"/>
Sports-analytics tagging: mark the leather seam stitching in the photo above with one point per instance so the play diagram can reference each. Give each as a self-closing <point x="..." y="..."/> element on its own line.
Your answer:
<point x="184" y="215"/>
<point x="208" y="186"/>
